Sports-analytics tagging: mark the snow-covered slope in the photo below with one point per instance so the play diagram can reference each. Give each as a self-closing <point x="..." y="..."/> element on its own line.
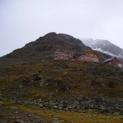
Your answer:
<point x="104" y="46"/>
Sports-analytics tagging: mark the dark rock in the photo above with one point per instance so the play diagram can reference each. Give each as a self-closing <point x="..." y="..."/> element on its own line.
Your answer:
<point x="36" y="77"/>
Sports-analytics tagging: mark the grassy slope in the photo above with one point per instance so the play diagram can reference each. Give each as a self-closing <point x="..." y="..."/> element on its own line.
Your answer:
<point x="82" y="79"/>
<point x="75" y="117"/>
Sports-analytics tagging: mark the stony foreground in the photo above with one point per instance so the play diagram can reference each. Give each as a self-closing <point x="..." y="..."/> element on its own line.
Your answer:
<point x="14" y="113"/>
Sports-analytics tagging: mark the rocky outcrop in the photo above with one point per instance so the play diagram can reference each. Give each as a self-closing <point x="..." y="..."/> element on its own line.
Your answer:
<point x="62" y="55"/>
<point x="89" y="56"/>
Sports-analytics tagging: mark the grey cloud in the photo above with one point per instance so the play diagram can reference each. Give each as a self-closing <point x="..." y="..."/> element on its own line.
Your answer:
<point x="25" y="20"/>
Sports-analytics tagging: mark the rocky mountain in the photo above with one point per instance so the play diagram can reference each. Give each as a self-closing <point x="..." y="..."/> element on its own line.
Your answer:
<point x="51" y="46"/>
<point x="56" y="76"/>
<point x="104" y="46"/>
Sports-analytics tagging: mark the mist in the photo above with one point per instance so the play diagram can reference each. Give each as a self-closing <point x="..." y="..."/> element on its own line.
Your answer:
<point x="22" y="21"/>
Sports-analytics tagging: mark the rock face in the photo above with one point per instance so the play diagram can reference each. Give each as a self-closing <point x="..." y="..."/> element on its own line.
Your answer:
<point x="89" y="56"/>
<point x="63" y="55"/>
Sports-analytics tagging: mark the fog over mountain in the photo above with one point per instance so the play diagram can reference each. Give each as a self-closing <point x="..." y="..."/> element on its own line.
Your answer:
<point x="104" y="46"/>
<point x="23" y="21"/>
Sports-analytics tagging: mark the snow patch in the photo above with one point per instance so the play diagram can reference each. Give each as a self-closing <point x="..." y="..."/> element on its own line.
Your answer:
<point x="106" y="52"/>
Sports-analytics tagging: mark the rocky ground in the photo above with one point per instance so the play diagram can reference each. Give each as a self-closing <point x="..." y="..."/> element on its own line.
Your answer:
<point x="98" y="104"/>
<point x="16" y="113"/>
<point x="13" y="115"/>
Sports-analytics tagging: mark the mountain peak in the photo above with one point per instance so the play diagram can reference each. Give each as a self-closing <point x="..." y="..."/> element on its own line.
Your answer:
<point x="51" y="34"/>
<point x="48" y="46"/>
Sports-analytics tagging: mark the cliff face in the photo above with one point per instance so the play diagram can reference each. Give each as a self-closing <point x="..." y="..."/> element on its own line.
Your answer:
<point x="63" y="55"/>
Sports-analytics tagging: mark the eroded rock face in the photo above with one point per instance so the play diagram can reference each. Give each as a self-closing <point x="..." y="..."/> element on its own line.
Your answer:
<point x="59" y="55"/>
<point x="89" y="57"/>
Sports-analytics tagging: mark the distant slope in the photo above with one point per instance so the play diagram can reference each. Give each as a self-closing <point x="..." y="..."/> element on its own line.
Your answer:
<point x="104" y="46"/>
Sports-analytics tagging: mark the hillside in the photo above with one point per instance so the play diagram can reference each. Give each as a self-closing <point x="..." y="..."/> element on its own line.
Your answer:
<point x="58" y="73"/>
<point x="62" y="62"/>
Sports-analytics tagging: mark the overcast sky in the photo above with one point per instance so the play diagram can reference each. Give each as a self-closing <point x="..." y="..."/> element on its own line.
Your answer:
<point x="22" y="21"/>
